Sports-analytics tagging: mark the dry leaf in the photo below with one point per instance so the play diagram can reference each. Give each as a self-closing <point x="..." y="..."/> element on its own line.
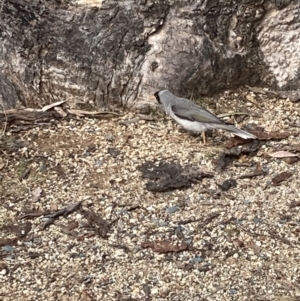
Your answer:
<point x="16" y="229"/>
<point x="260" y="133"/>
<point x="281" y="177"/>
<point x="226" y="157"/>
<point x="52" y="105"/>
<point x="78" y="113"/>
<point x="20" y="229"/>
<point x="252" y="99"/>
<point x="256" y="90"/>
<point x="292" y="147"/>
<point x="145" y="117"/>
<point x="253" y="174"/>
<point x="60" y="111"/>
<point x="33" y="214"/>
<point x="3" y="265"/>
<point x="287" y="299"/>
<point x="8" y="241"/>
<point x="85" y="296"/>
<point x="36" y="193"/>
<point x="271" y="135"/>
<point x="291" y="160"/>
<point x="82" y="113"/>
<point x="72" y="225"/>
<point x="282" y="154"/>
<point x="70" y="208"/>
<point x="69" y="232"/>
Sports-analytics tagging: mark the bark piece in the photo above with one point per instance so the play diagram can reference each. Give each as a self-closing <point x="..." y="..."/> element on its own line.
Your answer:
<point x="169" y="175"/>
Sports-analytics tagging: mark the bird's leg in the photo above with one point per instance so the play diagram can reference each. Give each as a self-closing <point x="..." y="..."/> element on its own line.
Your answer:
<point x="203" y="138"/>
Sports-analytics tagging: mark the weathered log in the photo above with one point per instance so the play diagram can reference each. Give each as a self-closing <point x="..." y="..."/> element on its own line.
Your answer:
<point x="103" y="52"/>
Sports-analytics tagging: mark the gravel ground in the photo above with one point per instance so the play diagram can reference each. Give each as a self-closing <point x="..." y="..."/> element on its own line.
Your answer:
<point x="122" y="242"/>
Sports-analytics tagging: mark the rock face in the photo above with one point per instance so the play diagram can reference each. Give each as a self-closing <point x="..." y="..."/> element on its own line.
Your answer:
<point x="99" y="52"/>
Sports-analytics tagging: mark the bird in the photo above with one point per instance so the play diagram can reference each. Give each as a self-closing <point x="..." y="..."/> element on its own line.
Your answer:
<point x="193" y="117"/>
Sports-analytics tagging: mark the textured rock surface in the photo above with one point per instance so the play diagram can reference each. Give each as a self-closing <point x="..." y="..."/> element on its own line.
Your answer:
<point x="100" y="52"/>
<point x="278" y="36"/>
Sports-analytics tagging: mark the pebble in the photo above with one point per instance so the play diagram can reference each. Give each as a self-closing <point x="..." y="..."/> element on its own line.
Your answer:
<point x="172" y="209"/>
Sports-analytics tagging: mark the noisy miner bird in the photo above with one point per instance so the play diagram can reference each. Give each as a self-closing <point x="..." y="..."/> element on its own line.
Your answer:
<point x="193" y="117"/>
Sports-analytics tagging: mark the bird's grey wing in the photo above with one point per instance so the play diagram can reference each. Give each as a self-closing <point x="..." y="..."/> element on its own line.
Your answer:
<point x="195" y="113"/>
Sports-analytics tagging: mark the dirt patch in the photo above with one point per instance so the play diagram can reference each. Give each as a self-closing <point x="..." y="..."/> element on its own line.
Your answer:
<point x="77" y="222"/>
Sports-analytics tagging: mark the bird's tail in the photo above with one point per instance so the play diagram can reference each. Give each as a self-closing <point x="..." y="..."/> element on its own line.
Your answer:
<point x="237" y="132"/>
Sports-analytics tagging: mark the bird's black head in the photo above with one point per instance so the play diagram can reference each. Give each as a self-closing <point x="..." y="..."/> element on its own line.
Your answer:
<point x="156" y="94"/>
